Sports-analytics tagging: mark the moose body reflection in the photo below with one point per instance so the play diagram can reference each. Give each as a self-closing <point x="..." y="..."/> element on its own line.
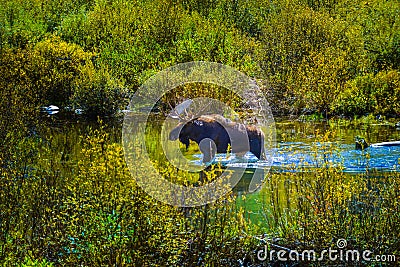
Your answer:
<point x="215" y="134"/>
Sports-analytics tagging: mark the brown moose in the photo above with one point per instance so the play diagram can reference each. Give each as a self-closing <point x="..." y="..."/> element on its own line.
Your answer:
<point x="215" y="134"/>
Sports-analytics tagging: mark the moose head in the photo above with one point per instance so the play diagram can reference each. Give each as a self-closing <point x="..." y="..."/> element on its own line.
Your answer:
<point x="215" y="134"/>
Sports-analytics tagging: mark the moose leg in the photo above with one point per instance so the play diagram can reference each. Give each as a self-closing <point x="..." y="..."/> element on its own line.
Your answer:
<point x="208" y="148"/>
<point x="257" y="144"/>
<point x="256" y="148"/>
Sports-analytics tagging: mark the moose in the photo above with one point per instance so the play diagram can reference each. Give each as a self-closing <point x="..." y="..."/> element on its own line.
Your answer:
<point x="215" y="134"/>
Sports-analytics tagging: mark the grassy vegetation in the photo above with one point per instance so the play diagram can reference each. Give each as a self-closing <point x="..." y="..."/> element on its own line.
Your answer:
<point x="66" y="195"/>
<point x="309" y="210"/>
<point x="72" y="201"/>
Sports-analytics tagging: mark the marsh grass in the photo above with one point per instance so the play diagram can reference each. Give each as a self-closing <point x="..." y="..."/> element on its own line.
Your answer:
<point x="313" y="209"/>
<point x="67" y="198"/>
<point x="72" y="201"/>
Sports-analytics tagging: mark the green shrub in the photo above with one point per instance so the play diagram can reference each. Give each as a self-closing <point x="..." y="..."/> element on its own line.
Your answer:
<point x="97" y="93"/>
<point x="306" y="50"/>
<point x="56" y="65"/>
<point x="73" y="202"/>
<point x="47" y="69"/>
<point x="377" y="94"/>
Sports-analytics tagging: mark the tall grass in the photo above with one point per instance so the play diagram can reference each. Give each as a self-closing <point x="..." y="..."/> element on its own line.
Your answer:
<point x="72" y="201"/>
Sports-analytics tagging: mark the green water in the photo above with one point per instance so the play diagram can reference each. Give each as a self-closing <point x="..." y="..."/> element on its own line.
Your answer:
<point x="65" y="137"/>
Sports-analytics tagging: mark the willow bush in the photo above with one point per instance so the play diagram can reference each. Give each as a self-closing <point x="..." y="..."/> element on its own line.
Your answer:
<point x="73" y="202"/>
<point x="313" y="51"/>
<point x="92" y="214"/>
<point x="371" y="93"/>
<point x="308" y="51"/>
<point x="47" y="69"/>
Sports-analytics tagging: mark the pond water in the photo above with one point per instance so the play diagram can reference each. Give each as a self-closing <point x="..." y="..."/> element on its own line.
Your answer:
<point x="301" y="149"/>
<point x="297" y="150"/>
<point x="300" y="156"/>
<point x="297" y="147"/>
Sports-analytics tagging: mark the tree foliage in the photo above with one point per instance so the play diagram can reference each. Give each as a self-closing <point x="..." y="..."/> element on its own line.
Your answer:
<point x="302" y="48"/>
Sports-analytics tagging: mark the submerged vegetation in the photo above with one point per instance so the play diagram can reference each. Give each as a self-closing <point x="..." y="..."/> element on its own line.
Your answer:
<point x="66" y="195"/>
